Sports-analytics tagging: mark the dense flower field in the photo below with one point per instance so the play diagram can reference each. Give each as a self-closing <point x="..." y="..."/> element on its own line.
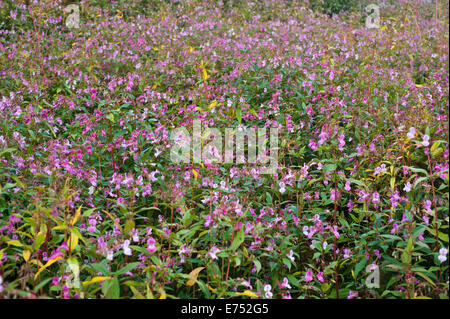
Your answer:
<point x="92" y="205"/>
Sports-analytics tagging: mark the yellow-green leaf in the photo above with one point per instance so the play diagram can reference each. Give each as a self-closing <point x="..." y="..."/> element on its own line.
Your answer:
<point x="77" y="215"/>
<point x="96" y="279"/>
<point x="435" y="150"/>
<point x="14" y="243"/>
<point x="26" y="255"/>
<point x="247" y="293"/>
<point x="195" y="174"/>
<point x="194" y="274"/>
<point x="73" y="241"/>
<point x="48" y="264"/>
<point x="40" y="238"/>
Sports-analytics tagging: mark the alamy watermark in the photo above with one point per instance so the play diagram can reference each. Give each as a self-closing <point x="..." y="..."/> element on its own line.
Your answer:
<point x="373" y="19"/>
<point x="73" y="19"/>
<point x="373" y="279"/>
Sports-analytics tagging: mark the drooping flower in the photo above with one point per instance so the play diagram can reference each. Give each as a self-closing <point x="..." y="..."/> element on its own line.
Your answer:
<point x="126" y="248"/>
<point x="375" y="198"/>
<point x="267" y="291"/>
<point x="290" y="255"/>
<point x="110" y="255"/>
<point x="212" y="252"/>
<point x="285" y="283"/>
<point x="346" y="253"/>
<point x="426" y="140"/>
<point x="411" y="133"/>
<point x="320" y="276"/>
<point x="442" y="255"/>
<point x="282" y="187"/>
<point x="347" y="186"/>
<point x="151" y="248"/>
<point x="407" y="187"/>
<point x="309" y="276"/>
<point x="352" y="294"/>
<point x="287" y="295"/>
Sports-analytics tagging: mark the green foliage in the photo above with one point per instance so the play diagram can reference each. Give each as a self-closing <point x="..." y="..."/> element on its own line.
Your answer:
<point x="332" y="7"/>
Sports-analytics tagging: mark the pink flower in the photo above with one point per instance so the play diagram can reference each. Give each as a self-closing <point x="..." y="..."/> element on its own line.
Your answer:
<point x="309" y="276"/>
<point x="320" y="276"/>
<point x="407" y="187"/>
<point x="287" y="295"/>
<point x="375" y="198"/>
<point x="346" y="253"/>
<point x="290" y="255"/>
<point x="352" y="295"/>
<point x="151" y="248"/>
<point x="347" y="186"/>
<point x="212" y="253"/>
<point x="126" y="248"/>
<point x="267" y="289"/>
<point x="426" y="140"/>
<point x="208" y="221"/>
<point x="282" y="187"/>
<point x="411" y="133"/>
<point x="285" y="283"/>
<point x="442" y="255"/>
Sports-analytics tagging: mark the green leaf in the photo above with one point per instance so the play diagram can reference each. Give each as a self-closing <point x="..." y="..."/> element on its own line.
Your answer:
<point x="8" y="150"/>
<point x="110" y="117"/>
<point x="14" y="243"/>
<point x="421" y="274"/>
<point x="129" y="225"/>
<point x="360" y="266"/>
<point x="293" y="280"/>
<point x="436" y="150"/>
<point x="238" y="240"/>
<point x="40" y="238"/>
<point x="258" y="265"/>
<point x="127" y="268"/>
<point x="239" y="115"/>
<point x="111" y="289"/>
<point x="329" y="167"/>
<point x="441" y="236"/>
